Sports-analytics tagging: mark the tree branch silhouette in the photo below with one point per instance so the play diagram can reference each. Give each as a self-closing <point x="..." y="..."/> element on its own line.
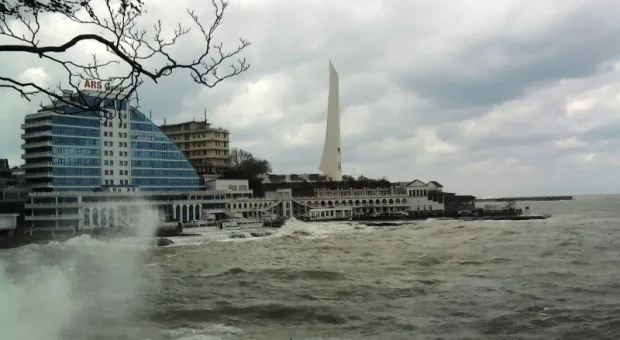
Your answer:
<point x="129" y="47"/>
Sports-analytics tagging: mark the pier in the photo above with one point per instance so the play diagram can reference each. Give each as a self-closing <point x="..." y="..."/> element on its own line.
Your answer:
<point x="530" y="198"/>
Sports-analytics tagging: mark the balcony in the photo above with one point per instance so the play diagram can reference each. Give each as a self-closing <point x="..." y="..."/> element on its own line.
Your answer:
<point x="37" y="144"/>
<point x="39" y="175"/>
<point x="41" y="123"/>
<point x="36" y="134"/>
<point x="37" y="155"/>
<point x="41" y="185"/>
<point x="37" y="165"/>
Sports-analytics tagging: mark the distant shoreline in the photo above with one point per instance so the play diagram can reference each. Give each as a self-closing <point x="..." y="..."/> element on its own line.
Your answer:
<point x="530" y="198"/>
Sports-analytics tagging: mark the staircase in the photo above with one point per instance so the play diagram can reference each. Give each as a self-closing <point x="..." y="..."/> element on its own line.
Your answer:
<point x="229" y="213"/>
<point x="121" y="221"/>
<point x="278" y="201"/>
<point x="204" y="213"/>
<point x="304" y="204"/>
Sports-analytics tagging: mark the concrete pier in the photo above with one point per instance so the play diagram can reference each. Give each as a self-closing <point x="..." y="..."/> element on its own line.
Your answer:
<point x="530" y="198"/>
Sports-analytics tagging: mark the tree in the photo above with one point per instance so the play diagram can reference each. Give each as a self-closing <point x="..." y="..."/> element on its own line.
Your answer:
<point x="243" y="165"/>
<point x="129" y="47"/>
<point x="238" y="156"/>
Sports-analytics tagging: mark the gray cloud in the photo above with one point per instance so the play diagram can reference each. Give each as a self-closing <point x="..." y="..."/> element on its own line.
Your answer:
<point x="502" y="98"/>
<point x="551" y="61"/>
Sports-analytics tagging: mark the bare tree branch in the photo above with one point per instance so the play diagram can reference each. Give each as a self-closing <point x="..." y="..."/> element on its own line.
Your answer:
<point x="132" y="48"/>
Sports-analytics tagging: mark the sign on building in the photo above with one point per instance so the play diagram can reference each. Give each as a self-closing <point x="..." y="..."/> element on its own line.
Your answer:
<point x="96" y="85"/>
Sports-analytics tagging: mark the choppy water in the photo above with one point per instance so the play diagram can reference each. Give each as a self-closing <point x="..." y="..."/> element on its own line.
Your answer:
<point x="552" y="279"/>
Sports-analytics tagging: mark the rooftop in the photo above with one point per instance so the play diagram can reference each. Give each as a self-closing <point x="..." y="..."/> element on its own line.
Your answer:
<point x="189" y="127"/>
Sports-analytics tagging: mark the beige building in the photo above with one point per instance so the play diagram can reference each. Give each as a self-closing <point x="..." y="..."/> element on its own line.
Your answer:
<point x="206" y="147"/>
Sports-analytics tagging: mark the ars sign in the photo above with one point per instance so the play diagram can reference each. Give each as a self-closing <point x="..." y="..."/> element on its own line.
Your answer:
<point x="96" y="85"/>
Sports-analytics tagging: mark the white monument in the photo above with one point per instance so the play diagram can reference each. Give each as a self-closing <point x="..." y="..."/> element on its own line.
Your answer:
<point x="331" y="159"/>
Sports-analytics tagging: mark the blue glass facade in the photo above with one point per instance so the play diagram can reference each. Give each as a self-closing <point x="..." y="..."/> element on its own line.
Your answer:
<point x="82" y="153"/>
<point x="76" y="153"/>
<point x="157" y="164"/>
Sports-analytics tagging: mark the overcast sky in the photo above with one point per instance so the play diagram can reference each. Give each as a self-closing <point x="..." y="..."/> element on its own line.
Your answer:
<point x="489" y="97"/>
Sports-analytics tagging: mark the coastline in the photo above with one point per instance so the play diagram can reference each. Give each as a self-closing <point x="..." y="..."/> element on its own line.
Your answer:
<point x="526" y="198"/>
<point x="21" y="240"/>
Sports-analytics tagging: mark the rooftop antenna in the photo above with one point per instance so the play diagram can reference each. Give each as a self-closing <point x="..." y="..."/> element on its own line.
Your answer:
<point x="205" y="115"/>
<point x="165" y="120"/>
<point x="150" y="115"/>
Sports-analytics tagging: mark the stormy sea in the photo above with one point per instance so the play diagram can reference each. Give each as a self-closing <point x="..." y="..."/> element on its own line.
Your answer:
<point x="437" y="279"/>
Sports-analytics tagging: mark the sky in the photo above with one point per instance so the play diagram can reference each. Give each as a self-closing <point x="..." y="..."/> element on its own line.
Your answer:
<point x="487" y="97"/>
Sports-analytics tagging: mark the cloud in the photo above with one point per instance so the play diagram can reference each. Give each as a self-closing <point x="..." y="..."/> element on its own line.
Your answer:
<point x="497" y="98"/>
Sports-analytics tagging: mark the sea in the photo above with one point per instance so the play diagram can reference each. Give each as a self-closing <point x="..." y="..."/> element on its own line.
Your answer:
<point x="438" y="279"/>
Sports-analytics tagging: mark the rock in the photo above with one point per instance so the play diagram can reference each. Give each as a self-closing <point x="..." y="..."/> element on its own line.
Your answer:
<point x="237" y="235"/>
<point x="162" y="242"/>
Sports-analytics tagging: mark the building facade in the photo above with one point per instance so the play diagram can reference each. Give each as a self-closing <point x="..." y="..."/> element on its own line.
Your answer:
<point x="72" y="151"/>
<point x="207" y="148"/>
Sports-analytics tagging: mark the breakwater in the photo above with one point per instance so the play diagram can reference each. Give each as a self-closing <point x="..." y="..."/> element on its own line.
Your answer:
<point x="530" y="198"/>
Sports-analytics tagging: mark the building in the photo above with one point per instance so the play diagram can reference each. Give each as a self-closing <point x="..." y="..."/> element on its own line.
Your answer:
<point x="293" y="178"/>
<point x="234" y="188"/>
<point x="6" y="175"/>
<point x="85" y="172"/>
<point x="13" y="194"/>
<point x="410" y="198"/>
<point x="68" y="150"/>
<point x="206" y="147"/>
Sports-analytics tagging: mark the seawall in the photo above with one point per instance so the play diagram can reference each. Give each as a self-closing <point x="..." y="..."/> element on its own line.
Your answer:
<point x="530" y="198"/>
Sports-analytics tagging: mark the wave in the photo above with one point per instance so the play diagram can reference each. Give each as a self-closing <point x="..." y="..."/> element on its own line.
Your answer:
<point x="204" y="331"/>
<point x="259" y="313"/>
<point x="57" y="290"/>
<point x="283" y="274"/>
<point x="551" y="322"/>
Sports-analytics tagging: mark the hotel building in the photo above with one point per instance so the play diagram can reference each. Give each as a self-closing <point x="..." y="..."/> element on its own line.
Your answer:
<point x="69" y="151"/>
<point x="207" y="148"/>
<point x="75" y="160"/>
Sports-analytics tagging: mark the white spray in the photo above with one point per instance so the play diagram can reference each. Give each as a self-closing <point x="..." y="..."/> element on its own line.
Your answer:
<point x="72" y="289"/>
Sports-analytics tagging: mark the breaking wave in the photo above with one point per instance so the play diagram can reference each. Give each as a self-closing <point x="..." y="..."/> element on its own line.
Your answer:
<point x="59" y="290"/>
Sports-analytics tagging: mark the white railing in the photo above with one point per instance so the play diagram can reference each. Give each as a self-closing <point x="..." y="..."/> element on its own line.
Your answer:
<point x="53" y="217"/>
<point x="134" y="203"/>
<point x="268" y="203"/>
<point x="47" y="229"/>
<point x="342" y="206"/>
<point x="128" y="193"/>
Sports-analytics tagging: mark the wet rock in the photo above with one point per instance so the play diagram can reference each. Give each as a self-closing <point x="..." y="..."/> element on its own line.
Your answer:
<point x="162" y="242"/>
